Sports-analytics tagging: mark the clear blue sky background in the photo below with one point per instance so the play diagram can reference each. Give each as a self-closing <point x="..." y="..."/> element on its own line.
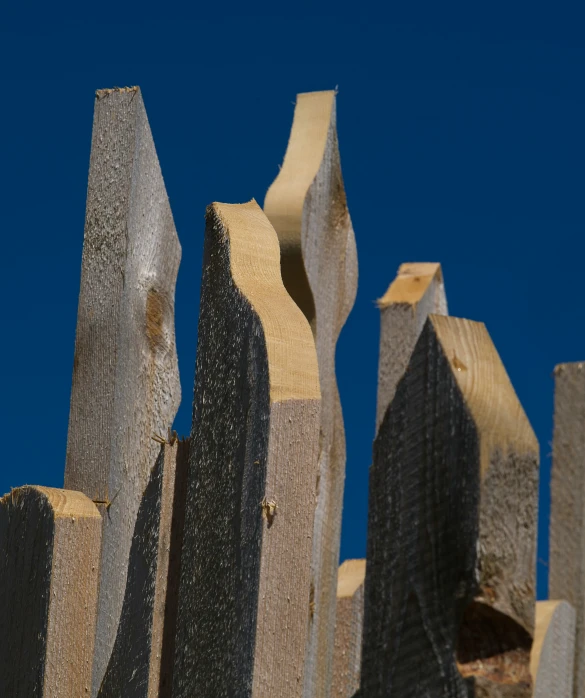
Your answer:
<point x="462" y="141"/>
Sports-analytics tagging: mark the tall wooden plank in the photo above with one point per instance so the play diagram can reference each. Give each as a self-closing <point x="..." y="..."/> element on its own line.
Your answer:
<point x="125" y="376"/>
<point x="416" y="292"/>
<point x="553" y="651"/>
<point x="307" y="206"/>
<point x="49" y="556"/>
<point x="347" y="654"/>
<point x="244" y="598"/>
<point x="135" y="668"/>
<point x="452" y="527"/>
<point x="567" y="511"/>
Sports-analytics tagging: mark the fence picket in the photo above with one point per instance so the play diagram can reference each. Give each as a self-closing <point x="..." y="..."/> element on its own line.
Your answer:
<point x="553" y="650"/>
<point x="49" y="557"/>
<point x="125" y="378"/>
<point x="307" y="206"/>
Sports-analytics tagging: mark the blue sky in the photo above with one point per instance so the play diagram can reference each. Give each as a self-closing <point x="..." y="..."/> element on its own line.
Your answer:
<point x="461" y="138"/>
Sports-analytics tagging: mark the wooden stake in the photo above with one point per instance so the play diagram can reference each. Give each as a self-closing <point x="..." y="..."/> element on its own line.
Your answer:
<point x="347" y="655"/>
<point x="307" y="206"/>
<point x="244" y="600"/>
<point x="49" y="555"/>
<point x="553" y="651"/>
<point x="567" y="511"/>
<point x="416" y="292"/>
<point x="452" y="526"/>
<point x="125" y="376"/>
<point x="134" y="669"/>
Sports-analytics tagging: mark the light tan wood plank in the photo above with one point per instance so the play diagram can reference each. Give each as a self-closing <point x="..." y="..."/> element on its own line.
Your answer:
<point x="125" y="377"/>
<point x="567" y="511"/>
<point x="245" y="570"/>
<point x="452" y="526"/>
<point x="49" y="556"/>
<point x="553" y="651"/>
<point x="307" y="206"/>
<point x="347" y="655"/>
<point x="417" y="291"/>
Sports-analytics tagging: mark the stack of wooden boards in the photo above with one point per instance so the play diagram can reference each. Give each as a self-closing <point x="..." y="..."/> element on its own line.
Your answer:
<point x="209" y="566"/>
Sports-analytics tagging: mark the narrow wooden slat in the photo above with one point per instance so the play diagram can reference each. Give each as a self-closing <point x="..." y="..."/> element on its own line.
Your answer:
<point x="307" y="206"/>
<point x="567" y="511"/>
<point x="125" y="377"/>
<point x="553" y="651"/>
<point x="416" y="292"/>
<point x="347" y="655"/>
<point x="49" y="556"/>
<point x="452" y="526"/>
<point x="245" y="568"/>
<point x="134" y="669"/>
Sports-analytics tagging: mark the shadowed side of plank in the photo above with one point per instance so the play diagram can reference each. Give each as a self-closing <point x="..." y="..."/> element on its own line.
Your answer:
<point x="416" y="292"/>
<point x="553" y="651"/>
<point x="245" y="570"/>
<point x="134" y="669"/>
<point x="347" y="656"/>
<point x="125" y="377"/>
<point x="567" y="511"/>
<point x="308" y="208"/>
<point x="449" y="590"/>
<point x="49" y="555"/>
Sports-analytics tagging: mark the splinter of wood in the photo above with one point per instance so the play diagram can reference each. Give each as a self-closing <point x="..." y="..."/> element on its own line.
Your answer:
<point x="125" y="377"/>
<point x="416" y="292"/>
<point x="347" y="656"/>
<point x="567" y="509"/>
<point x="49" y="556"/>
<point x="450" y="578"/>
<point x="243" y="607"/>
<point x="307" y="206"/>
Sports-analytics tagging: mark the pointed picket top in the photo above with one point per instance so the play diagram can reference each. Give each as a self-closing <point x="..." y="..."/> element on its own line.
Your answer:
<point x="417" y="291"/>
<point x="307" y="206"/>
<point x="553" y="651"/>
<point x="125" y="378"/>
<point x="450" y="578"/>
<point x="244" y="594"/>
<point x="49" y="556"/>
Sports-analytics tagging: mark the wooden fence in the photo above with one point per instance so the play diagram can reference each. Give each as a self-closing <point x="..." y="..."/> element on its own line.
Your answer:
<point x="208" y="567"/>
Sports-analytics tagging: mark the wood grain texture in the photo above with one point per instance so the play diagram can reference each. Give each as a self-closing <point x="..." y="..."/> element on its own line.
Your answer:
<point x="416" y="292"/>
<point x="347" y="655"/>
<point x="452" y="527"/>
<point x="125" y="376"/>
<point x="134" y="669"/>
<point x="307" y="206"/>
<point x="49" y="556"/>
<point x="245" y="570"/>
<point x="567" y="511"/>
<point x="553" y="651"/>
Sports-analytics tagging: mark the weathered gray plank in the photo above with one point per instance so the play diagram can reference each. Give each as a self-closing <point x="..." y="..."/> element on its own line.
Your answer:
<point x="134" y="669"/>
<point x="125" y="376"/>
<point x="553" y="651"/>
<point x="347" y="655"/>
<point x="416" y="292"/>
<point x="307" y="206"/>
<point x="567" y="511"/>
<point x="245" y="568"/>
<point x="49" y="555"/>
<point x="452" y="526"/>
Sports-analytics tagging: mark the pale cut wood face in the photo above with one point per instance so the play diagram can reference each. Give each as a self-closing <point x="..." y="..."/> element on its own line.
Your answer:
<point x="411" y="283"/>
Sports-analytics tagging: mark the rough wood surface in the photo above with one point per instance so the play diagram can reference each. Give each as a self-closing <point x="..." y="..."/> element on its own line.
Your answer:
<point x="244" y="599"/>
<point x="347" y="656"/>
<point x="416" y="292"/>
<point x="134" y="669"/>
<point x="452" y="527"/>
<point x="567" y="511"/>
<point x="125" y="376"/>
<point x="49" y="555"/>
<point x="553" y="650"/>
<point x="307" y="206"/>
